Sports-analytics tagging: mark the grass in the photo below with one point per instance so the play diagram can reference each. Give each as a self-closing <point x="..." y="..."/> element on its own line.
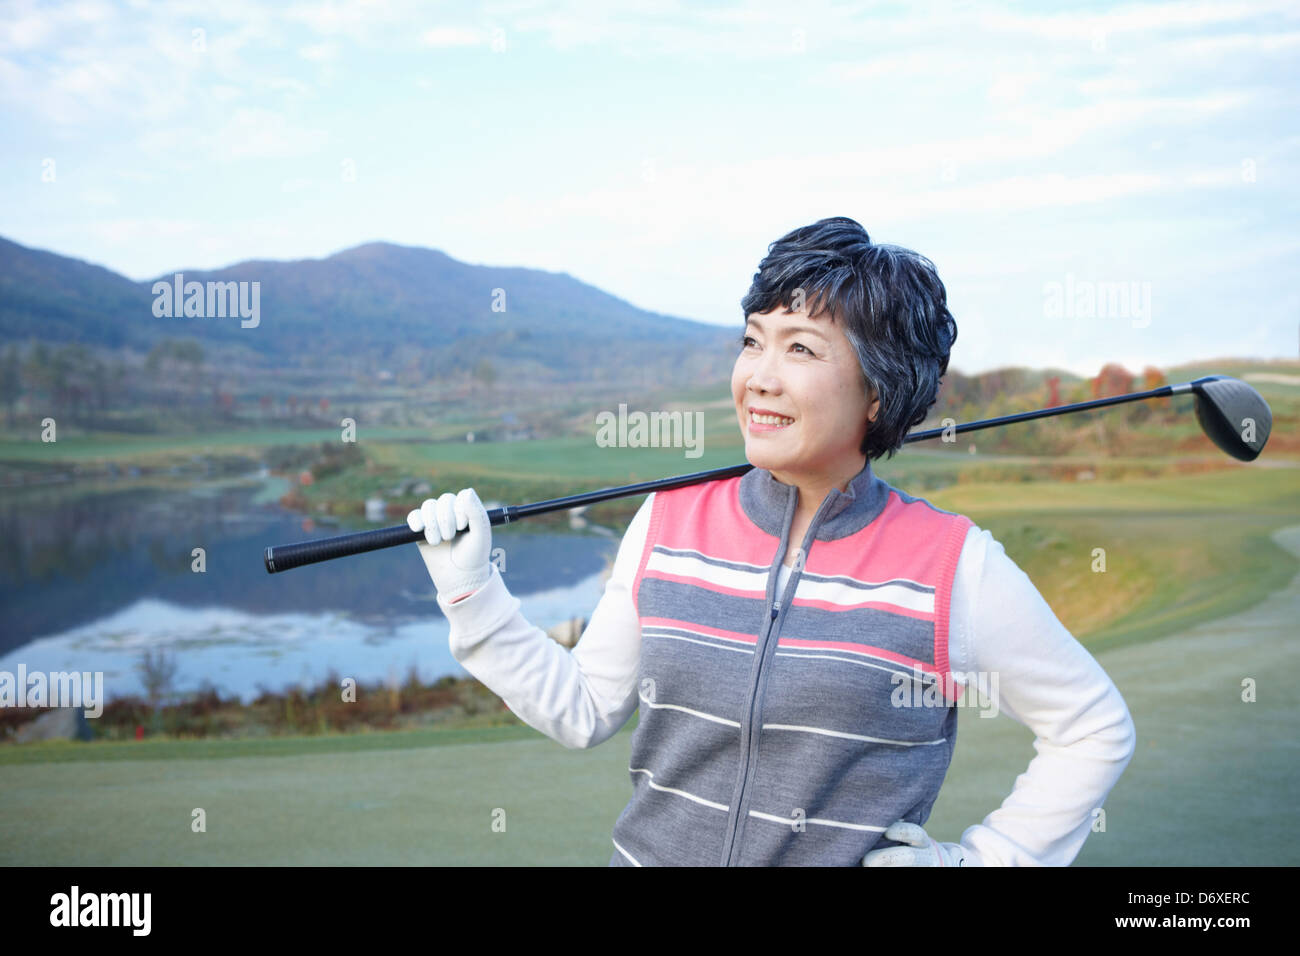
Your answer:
<point x="1177" y="550"/>
<point x="66" y="751"/>
<point x="374" y="805"/>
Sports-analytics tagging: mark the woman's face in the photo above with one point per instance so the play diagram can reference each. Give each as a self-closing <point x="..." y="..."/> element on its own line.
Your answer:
<point x="806" y="371"/>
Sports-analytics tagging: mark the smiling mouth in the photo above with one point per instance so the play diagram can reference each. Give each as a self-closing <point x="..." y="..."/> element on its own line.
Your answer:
<point x="778" y="421"/>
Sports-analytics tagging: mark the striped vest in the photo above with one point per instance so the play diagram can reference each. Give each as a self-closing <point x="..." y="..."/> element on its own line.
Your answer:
<point x="770" y="730"/>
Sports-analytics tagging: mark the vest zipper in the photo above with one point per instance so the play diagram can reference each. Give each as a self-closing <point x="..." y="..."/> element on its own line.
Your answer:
<point x="761" y="650"/>
<point x="798" y="566"/>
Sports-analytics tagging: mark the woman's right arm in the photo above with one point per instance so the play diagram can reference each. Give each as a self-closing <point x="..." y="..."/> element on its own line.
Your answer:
<point x="580" y="697"/>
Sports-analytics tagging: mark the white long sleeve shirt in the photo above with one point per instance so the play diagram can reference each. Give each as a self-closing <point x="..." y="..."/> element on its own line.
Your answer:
<point x="998" y="625"/>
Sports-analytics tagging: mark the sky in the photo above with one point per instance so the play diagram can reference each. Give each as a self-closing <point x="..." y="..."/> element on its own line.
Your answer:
<point x="1094" y="182"/>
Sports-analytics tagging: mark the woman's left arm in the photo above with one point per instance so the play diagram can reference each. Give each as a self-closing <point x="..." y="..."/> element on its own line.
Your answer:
<point x="1003" y="629"/>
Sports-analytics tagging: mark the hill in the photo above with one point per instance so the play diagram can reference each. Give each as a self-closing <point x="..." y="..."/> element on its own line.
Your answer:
<point x="372" y="305"/>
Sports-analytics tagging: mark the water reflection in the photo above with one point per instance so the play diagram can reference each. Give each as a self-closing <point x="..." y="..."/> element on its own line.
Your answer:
<point x="88" y="581"/>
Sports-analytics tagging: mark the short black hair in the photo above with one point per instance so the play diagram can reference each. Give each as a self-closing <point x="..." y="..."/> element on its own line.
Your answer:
<point x="893" y="307"/>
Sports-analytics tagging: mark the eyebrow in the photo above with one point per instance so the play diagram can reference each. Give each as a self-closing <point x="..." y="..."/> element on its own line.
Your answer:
<point x="790" y="330"/>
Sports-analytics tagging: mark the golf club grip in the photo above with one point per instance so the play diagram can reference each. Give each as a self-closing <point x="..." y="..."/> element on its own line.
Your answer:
<point x="285" y="556"/>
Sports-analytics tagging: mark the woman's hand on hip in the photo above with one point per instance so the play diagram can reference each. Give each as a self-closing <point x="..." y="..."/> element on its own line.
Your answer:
<point x="920" y="849"/>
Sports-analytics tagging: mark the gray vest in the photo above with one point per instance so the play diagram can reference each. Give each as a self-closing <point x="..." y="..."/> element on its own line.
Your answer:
<point x="792" y="728"/>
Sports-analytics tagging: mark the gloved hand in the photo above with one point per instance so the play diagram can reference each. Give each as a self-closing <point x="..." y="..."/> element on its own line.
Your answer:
<point x="458" y="564"/>
<point x="921" y="851"/>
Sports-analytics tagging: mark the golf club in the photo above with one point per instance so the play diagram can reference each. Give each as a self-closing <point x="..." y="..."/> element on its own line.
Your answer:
<point x="1232" y="414"/>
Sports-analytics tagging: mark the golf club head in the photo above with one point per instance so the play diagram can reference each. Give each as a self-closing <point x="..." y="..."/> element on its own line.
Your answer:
<point x="1233" y="415"/>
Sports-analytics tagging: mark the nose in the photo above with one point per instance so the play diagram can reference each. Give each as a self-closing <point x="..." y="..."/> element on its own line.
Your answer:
<point x="762" y="375"/>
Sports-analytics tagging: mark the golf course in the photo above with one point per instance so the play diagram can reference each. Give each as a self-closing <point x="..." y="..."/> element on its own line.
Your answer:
<point x="380" y="384"/>
<point x="1198" y="599"/>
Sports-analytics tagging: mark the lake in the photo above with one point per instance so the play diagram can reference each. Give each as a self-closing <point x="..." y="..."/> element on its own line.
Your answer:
<point x="90" y="581"/>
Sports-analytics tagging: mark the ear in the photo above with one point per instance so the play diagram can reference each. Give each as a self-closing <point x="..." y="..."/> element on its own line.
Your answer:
<point x="874" y="410"/>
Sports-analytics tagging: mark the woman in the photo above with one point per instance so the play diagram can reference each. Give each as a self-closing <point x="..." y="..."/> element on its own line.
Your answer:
<point x="796" y="638"/>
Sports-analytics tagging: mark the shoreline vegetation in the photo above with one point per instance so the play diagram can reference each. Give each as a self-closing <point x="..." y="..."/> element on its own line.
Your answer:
<point x="330" y="707"/>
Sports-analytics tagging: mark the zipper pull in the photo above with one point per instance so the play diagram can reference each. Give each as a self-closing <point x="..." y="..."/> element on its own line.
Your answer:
<point x="798" y="566"/>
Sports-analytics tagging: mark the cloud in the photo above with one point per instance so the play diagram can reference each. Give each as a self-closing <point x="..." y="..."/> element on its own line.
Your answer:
<point x="25" y="32"/>
<point x="98" y="197"/>
<point x="452" y="36"/>
<point x="133" y="229"/>
<point x="319" y="52"/>
<point x="290" y="85"/>
<point x="355" y="19"/>
<point x="1132" y="18"/>
<point x="264" y="134"/>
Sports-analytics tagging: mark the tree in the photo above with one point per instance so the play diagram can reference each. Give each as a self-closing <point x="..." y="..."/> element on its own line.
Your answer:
<point x="189" y="352"/>
<point x="60" y="370"/>
<point x="99" y="384"/>
<point x="72" y="371"/>
<point x="1053" y="391"/>
<point x="156" y="673"/>
<point x="485" y="372"/>
<point x="38" y="367"/>
<point x="11" y="382"/>
<point x="1113" y="379"/>
<point x="169" y="355"/>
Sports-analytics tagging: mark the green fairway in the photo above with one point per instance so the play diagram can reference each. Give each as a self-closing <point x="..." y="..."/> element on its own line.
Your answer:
<point x="133" y="448"/>
<point x="415" y="806"/>
<point x="1213" y="777"/>
<point x="64" y="751"/>
<point x="1178" y="550"/>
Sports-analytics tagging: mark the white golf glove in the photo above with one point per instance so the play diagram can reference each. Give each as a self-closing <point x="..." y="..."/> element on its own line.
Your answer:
<point x="458" y="564"/>
<point x="921" y="851"/>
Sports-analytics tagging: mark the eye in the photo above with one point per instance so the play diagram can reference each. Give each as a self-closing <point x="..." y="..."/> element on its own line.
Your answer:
<point x="804" y="347"/>
<point x="745" y="340"/>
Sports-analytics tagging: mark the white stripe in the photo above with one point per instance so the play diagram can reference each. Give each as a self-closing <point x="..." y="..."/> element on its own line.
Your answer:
<point x="925" y="679"/>
<point x="746" y="648"/>
<point x="871" y="584"/>
<point x="845" y="591"/>
<point x="689" y="551"/>
<point x="625" y="853"/>
<point x="690" y="567"/>
<point x="842" y="594"/>
<point x="687" y="710"/>
<point x="680" y="793"/>
<point x="820" y="821"/>
<point x="848" y="736"/>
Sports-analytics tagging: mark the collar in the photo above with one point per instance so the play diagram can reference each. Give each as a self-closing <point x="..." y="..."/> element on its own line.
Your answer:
<point x="770" y="503"/>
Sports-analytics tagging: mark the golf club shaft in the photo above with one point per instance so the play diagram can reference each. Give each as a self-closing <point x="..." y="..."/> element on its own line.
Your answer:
<point x="286" y="556"/>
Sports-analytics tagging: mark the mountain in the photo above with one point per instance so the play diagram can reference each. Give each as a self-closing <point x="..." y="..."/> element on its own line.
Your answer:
<point x="52" y="298"/>
<point x="378" y="301"/>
